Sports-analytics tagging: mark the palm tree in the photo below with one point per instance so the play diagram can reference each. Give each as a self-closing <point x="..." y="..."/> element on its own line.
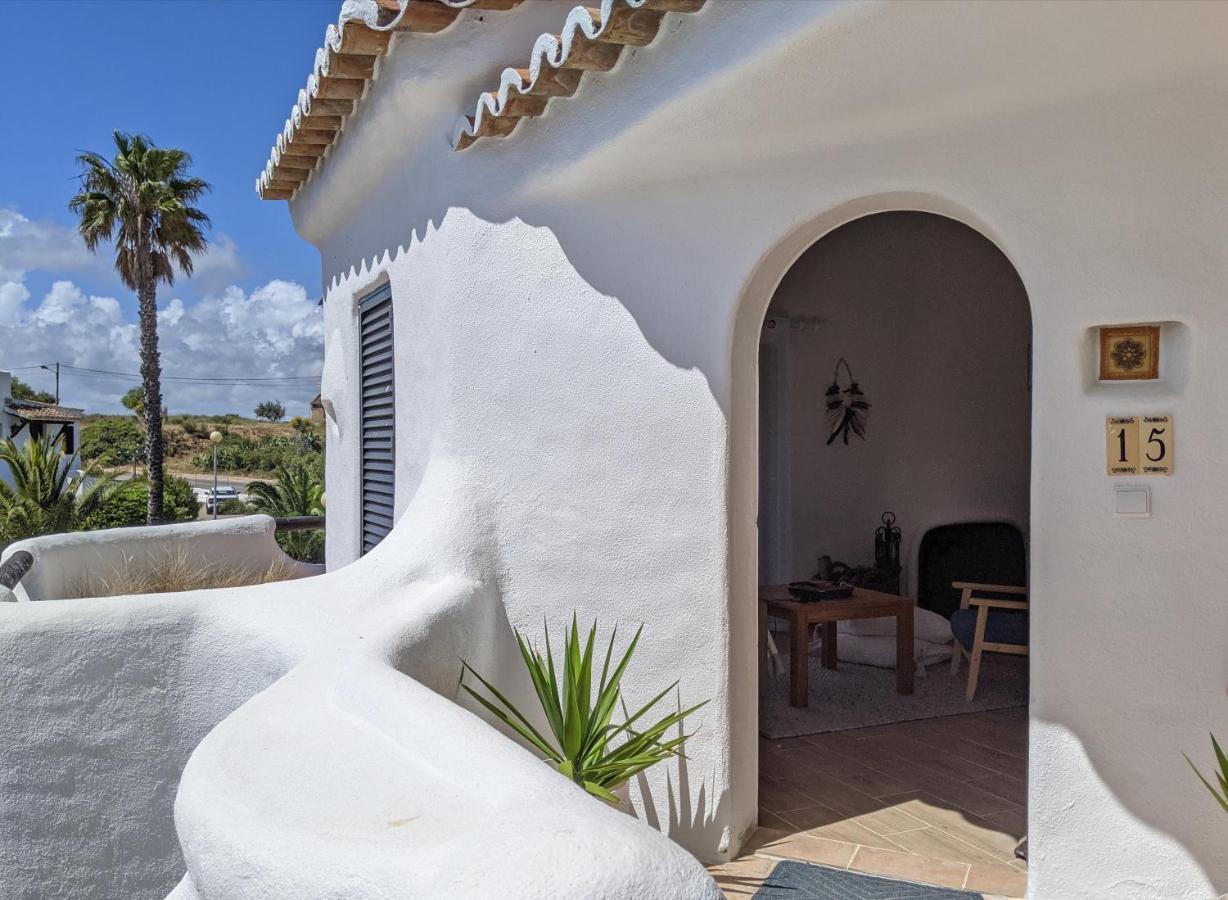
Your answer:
<point x="143" y="199"/>
<point x="299" y="491"/>
<point x="44" y="497"/>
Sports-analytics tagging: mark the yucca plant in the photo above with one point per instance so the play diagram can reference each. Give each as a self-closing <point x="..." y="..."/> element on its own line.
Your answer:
<point x="584" y="742"/>
<point x="1220" y="793"/>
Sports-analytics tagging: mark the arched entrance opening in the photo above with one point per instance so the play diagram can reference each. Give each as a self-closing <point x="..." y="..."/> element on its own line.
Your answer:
<point x="894" y="377"/>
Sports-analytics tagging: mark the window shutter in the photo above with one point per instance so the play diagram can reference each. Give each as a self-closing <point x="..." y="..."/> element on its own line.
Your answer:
<point x="378" y="445"/>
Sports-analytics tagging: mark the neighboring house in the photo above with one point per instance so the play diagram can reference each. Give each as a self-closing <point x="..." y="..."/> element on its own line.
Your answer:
<point x="317" y="411"/>
<point x="580" y="329"/>
<point x="21" y="420"/>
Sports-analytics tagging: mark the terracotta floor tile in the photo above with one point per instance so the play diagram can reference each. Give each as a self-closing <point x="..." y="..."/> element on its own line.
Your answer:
<point x="909" y="866"/>
<point x="771" y="820"/>
<point x="1012" y="789"/>
<point x="785" y="763"/>
<point x="1013" y="821"/>
<point x="982" y="755"/>
<point x="965" y="795"/>
<point x="777" y="797"/>
<point x="984" y="834"/>
<point x="938" y="843"/>
<point x="763" y="836"/>
<point x="1005" y="880"/>
<point x="935" y="759"/>
<point x="852" y="832"/>
<point x="808" y="848"/>
<point x="890" y="820"/>
<point x="875" y="782"/>
<point x="793" y="743"/>
<point x="743" y="877"/>
<point x="927" y="801"/>
<point x="834" y="793"/>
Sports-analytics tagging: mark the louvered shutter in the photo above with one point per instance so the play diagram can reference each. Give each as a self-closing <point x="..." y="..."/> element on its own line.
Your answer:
<point x="378" y="415"/>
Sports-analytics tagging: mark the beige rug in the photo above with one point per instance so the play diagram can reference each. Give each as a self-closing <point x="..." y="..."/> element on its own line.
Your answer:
<point x="857" y="696"/>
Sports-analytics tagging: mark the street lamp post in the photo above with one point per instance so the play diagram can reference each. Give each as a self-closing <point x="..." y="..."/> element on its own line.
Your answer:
<point x="215" y="437"/>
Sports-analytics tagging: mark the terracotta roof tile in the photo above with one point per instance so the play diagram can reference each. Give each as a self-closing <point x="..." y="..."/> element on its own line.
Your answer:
<point x="42" y="412"/>
<point x="590" y="40"/>
<point x="343" y="66"/>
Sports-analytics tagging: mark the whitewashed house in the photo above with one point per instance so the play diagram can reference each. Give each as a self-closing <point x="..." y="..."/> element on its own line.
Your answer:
<point x="587" y="271"/>
<point x="21" y="420"/>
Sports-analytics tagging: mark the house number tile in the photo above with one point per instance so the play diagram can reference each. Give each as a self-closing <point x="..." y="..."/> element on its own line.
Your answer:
<point x="1139" y="445"/>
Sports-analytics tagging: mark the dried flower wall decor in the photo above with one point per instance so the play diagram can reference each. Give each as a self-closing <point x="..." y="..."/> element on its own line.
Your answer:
<point x="847" y="407"/>
<point x="1130" y="353"/>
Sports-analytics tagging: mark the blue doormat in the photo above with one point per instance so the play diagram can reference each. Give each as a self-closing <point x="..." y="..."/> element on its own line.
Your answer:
<point x="801" y="881"/>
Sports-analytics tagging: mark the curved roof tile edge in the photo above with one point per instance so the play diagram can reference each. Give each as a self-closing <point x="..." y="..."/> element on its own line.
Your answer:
<point x="361" y="35"/>
<point x="554" y="50"/>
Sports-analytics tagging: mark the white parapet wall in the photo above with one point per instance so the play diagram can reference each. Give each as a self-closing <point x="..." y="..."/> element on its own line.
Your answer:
<point x="329" y="755"/>
<point x="77" y="564"/>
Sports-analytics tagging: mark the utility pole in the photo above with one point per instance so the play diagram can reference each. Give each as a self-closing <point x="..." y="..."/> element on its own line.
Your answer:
<point x="57" y="380"/>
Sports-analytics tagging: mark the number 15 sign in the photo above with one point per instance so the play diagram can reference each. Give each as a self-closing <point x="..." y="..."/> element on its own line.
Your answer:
<point x="1140" y="445"/>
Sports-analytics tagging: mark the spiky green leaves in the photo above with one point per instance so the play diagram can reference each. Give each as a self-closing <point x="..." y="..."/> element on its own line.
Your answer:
<point x="584" y="744"/>
<point x="1219" y="790"/>
<point x="45" y="496"/>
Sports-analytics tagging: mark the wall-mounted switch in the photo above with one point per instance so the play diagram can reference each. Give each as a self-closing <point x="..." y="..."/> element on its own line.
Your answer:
<point x="1133" y="501"/>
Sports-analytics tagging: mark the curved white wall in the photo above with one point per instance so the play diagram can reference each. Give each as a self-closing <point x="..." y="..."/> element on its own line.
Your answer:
<point x="578" y="317"/>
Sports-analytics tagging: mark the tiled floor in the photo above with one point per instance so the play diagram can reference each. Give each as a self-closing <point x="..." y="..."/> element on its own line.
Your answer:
<point x="940" y="801"/>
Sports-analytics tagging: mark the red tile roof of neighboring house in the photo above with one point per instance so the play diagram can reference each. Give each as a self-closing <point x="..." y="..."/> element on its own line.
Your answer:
<point x="590" y="40"/>
<point x="33" y="411"/>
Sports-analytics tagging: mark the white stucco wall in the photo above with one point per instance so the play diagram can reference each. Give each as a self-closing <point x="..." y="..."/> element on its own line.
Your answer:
<point x="935" y="324"/>
<point x="578" y="314"/>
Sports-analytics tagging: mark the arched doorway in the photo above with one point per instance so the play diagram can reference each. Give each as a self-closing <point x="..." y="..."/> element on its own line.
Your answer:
<point x="932" y="321"/>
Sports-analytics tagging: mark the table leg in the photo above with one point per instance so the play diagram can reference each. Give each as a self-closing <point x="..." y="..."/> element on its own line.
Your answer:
<point x="829" y="645"/>
<point x="905" y="661"/>
<point x="799" y="661"/>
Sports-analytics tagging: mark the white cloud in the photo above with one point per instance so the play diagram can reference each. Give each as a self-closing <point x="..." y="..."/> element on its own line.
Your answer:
<point x="275" y="331"/>
<point x="27" y="246"/>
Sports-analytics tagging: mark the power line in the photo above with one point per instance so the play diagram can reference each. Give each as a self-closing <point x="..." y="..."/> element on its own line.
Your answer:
<point x="287" y="380"/>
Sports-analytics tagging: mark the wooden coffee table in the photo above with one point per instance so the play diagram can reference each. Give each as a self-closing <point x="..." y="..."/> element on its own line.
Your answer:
<point x="862" y="605"/>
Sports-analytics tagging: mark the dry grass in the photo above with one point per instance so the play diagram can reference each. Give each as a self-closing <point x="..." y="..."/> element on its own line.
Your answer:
<point x="177" y="570"/>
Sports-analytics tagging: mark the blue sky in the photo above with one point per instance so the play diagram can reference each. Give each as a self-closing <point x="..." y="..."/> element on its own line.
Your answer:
<point x="214" y="77"/>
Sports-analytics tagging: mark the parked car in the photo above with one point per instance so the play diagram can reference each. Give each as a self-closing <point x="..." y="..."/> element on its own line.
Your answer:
<point x="221" y="495"/>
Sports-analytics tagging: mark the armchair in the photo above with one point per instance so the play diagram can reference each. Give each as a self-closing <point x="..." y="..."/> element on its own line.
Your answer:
<point x="987" y="624"/>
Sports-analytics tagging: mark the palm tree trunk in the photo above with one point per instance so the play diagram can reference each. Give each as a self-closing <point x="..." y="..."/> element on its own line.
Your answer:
<point x="151" y="377"/>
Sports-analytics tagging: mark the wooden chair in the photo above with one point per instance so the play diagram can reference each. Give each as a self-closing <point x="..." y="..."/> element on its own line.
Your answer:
<point x="979" y="629"/>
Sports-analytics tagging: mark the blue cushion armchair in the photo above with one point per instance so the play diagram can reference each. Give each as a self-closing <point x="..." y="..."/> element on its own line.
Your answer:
<point x="987" y="623"/>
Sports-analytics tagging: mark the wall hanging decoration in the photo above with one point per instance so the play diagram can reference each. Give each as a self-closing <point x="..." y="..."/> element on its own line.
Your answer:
<point x="1129" y="353"/>
<point x="847" y="407"/>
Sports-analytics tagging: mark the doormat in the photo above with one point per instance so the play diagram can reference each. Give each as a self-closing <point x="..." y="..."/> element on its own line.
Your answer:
<point x="803" y="881"/>
<point x="855" y="696"/>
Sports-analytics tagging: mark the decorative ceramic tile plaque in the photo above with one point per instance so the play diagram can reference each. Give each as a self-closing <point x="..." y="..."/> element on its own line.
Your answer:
<point x="1139" y="445"/>
<point x="1129" y="352"/>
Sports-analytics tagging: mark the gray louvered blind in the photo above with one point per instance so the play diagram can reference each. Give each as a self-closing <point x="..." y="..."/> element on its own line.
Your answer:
<point x="378" y="412"/>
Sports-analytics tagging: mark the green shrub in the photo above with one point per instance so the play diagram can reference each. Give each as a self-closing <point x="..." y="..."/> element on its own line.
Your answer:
<point x="233" y="507"/>
<point x="127" y="506"/>
<point x="243" y="455"/>
<point x="112" y="441"/>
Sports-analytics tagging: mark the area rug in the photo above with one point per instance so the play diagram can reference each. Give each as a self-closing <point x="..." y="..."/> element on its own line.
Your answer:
<point x="855" y="696"/>
<point x="802" y="881"/>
